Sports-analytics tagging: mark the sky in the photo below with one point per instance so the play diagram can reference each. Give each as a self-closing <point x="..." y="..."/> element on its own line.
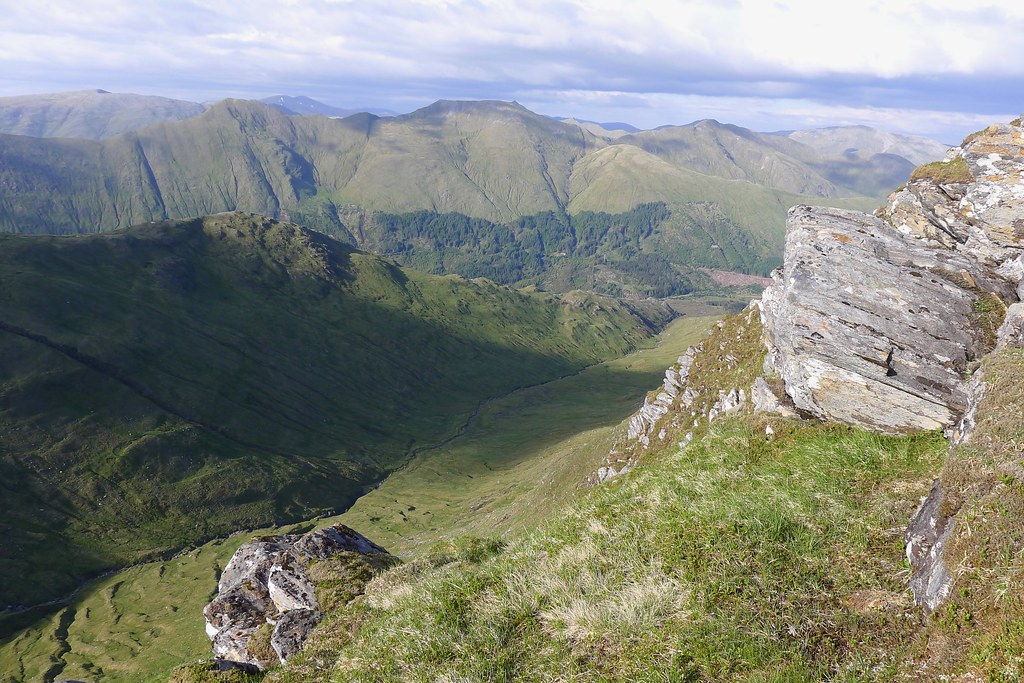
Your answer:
<point x="939" y="68"/>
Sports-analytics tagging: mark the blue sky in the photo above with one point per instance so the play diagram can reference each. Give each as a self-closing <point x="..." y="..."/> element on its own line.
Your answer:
<point x="939" y="68"/>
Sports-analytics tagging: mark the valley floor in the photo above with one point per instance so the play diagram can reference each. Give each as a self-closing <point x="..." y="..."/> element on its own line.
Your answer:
<point x="518" y="461"/>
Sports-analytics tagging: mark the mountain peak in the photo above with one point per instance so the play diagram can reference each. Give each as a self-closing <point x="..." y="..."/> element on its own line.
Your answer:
<point x="450" y="107"/>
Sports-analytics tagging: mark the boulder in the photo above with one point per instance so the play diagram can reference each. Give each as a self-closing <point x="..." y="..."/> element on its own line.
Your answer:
<point x="265" y="589"/>
<point x="927" y="535"/>
<point x="868" y="326"/>
<point x="1011" y="332"/>
<point x="291" y="631"/>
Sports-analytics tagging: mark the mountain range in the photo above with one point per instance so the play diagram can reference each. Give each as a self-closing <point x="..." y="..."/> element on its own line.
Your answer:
<point x="723" y="190"/>
<point x="210" y="324"/>
<point x="89" y="114"/>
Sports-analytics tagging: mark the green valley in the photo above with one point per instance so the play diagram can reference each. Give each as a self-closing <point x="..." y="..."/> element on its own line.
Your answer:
<point x="177" y="381"/>
<point x="520" y="458"/>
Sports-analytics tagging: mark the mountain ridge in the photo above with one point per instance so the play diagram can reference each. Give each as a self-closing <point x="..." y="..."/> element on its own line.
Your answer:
<point x="491" y="161"/>
<point x="89" y="114"/>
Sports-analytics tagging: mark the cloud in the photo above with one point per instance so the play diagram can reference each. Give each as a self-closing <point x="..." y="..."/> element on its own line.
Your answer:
<point x="867" y="55"/>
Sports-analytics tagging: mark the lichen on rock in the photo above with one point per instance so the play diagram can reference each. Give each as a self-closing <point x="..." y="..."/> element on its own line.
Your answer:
<point x="267" y="604"/>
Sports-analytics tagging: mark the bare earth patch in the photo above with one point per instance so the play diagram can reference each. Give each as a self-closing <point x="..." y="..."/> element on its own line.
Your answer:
<point x="728" y="278"/>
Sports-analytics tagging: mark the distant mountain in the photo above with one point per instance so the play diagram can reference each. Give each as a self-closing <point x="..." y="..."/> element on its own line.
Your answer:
<point x="180" y="380"/>
<point x="864" y="141"/>
<point x="90" y="114"/>
<point x="728" y="151"/>
<point x="307" y="105"/>
<point x="609" y="130"/>
<point x="724" y="189"/>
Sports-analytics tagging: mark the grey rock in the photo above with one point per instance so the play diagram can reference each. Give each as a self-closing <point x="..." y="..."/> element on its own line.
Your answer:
<point x="870" y="327"/>
<point x="766" y="401"/>
<point x="290" y="590"/>
<point x="965" y="427"/>
<point x="926" y="537"/>
<point x="291" y="631"/>
<point x="1011" y="332"/>
<point x="265" y="582"/>
<point x="641" y="425"/>
<point x="328" y="542"/>
<point x="983" y="217"/>
<point x="253" y="561"/>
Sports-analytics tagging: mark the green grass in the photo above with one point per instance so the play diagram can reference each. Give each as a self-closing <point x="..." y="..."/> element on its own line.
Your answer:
<point x="521" y="457"/>
<point x="979" y="632"/>
<point x="750" y="555"/>
<point x="543" y="440"/>
<point x="954" y="171"/>
<point x="738" y="558"/>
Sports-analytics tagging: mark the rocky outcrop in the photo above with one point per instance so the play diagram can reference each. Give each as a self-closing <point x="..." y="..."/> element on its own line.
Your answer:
<point x="879" y="321"/>
<point x="973" y="202"/>
<point x="674" y="389"/>
<point x="870" y="327"/>
<point x="267" y="604"/>
<point x="690" y="397"/>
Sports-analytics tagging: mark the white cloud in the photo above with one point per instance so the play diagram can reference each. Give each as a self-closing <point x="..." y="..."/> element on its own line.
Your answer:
<point x="862" y="54"/>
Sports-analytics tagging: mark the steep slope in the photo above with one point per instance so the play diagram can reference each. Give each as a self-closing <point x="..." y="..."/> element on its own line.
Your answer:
<point x="495" y="160"/>
<point x="517" y="461"/>
<point x="760" y="551"/>
<point x="765" y="545"/>
<point x="728" y="151"/>
<point x="90" y="114"/>
<point x="821" y="163"/>
<point x="179" y="380"/>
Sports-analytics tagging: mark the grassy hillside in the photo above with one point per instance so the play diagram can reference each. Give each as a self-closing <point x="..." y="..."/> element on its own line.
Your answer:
<point x="738" y="559"/>
<point x="523" y="455"/>
<point x="90" y="114"/>
<point x="828" y="163"/>
<point x="748" y="555"/>
<point x="180" y="380"/>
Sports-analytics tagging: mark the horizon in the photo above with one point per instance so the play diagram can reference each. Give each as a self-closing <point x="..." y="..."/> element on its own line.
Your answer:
<point x="259" y="97"/>
<point x="939" y="72"/>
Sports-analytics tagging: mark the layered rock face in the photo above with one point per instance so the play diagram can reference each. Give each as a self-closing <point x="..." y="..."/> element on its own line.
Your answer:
<point x="974" y="201"/>
<point x="879" y="327"/>
<point x="870" y="327"/>
<point x="879" y="320"/>
<point x="267" y="603"/>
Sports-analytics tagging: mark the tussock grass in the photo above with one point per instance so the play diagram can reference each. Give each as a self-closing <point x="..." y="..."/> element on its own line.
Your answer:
<point x="737" y="558"/>
<point x="979" y="633"/>
<point x="941" y="172"/>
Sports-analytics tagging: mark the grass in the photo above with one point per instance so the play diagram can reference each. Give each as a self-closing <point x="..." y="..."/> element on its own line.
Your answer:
<point x="752" y="554"/>
<point x="941" y="172"/>
<point x="153" y="620"/>
<point x="521" y="456"/>
<point x="979" y="633"/>
<point x="738" y="558"/>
